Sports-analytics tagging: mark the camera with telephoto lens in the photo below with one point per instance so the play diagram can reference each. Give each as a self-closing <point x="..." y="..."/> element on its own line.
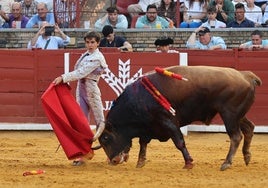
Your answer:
<point x="49" y="30"/>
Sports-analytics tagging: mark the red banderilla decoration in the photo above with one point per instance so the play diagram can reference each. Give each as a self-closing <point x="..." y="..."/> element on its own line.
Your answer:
<point x="33" y="172"/>
<point x="170" y="74"/>
<point x="157" y="95"/>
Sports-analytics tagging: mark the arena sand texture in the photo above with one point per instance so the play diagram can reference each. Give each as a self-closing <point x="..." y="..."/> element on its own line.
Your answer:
<point x="31" y="150"/>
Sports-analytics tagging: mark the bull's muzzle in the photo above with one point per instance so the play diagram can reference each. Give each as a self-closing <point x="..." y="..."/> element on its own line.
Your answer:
<point x="120" y="158"/>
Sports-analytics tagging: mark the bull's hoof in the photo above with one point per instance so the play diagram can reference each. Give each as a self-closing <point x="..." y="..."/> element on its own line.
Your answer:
<point x="247" y="158"/>
<point x="188" y="166"/>
<point x="225" y="166"/>
<point x="140" y="164"/>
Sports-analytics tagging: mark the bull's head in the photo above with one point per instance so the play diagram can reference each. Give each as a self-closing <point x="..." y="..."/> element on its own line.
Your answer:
<point x="115" y="145"/>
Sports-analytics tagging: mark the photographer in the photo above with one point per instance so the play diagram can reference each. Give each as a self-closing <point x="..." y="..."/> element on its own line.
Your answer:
<point x="44" y="38"/>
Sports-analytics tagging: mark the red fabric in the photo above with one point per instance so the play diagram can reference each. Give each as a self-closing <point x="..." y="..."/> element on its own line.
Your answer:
<point x="67" y="120"/>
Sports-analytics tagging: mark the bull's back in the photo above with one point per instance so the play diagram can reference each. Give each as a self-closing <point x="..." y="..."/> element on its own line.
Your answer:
<point x="210" y="77"/>
<point x="205" y="83"/>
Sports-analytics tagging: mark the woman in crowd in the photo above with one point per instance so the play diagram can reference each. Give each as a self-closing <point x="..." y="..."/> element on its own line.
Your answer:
<point x="167" y="9"/>
<point x="194" y="12"/>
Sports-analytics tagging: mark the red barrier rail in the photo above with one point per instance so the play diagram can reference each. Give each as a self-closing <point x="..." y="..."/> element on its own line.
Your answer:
<point x="25" y="75"/>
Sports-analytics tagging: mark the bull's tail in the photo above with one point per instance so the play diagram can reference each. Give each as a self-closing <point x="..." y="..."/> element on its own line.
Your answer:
<point x="252" y="78"/>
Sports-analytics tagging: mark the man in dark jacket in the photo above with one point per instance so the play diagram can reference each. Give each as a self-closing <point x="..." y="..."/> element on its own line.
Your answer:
<point x="111" y="40"/>
<point x="240" y="19"/>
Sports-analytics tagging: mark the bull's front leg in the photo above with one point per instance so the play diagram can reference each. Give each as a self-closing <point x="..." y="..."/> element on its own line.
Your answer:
<point x="179" y="142"/>
<point x="142" y="153"/>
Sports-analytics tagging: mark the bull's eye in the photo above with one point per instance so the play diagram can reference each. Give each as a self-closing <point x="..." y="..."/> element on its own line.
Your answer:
<point x="104" y="138"/>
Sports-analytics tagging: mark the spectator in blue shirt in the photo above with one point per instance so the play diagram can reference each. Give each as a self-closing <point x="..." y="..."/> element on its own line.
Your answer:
<point x="240" y="19"/>
<point x="112" y="18"/>
<point x="41" y="16"/>
<point x="151" y="19"/>
<point x="111" y="40"/>
<point x="46" y="40"/>
<point x="256" y="41"/>
<point x="205" y="41"/>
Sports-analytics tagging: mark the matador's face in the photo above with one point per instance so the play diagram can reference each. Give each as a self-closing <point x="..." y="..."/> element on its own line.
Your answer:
<point x="91" y="44"/>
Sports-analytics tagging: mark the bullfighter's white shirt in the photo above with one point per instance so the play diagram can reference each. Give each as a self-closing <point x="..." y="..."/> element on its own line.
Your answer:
<point x="86" y="67"/>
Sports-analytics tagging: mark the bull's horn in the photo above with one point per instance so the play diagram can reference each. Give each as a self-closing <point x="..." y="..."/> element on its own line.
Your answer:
<point x="96" y="147"/>
<point x="99" y="131"/>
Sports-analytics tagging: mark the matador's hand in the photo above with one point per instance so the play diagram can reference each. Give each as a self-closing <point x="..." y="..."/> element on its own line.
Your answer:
<point x="57" y="80"/>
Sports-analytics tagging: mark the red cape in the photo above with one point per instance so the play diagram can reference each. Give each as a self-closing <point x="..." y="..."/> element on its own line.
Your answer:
<point x="67" y="120"/>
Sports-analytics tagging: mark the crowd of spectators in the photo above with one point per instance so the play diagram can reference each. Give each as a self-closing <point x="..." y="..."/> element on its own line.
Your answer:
<point x="194" y="13"/>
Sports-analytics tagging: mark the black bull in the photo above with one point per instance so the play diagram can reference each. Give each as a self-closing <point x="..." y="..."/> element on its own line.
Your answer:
<point x="208" y="91"/>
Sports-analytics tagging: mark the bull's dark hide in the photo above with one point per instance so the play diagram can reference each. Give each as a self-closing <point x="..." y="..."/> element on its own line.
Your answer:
<point x="210" y="90"/>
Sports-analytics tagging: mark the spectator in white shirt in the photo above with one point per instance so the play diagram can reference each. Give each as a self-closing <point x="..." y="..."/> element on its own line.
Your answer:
<point x="261" y="3"/>
<point x="253" y="13"/>
<point x="265" y="16"/>
<point x="212" y="22"/>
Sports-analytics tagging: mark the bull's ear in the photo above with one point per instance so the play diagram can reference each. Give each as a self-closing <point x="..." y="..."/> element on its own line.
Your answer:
<point x="108" y="126"/>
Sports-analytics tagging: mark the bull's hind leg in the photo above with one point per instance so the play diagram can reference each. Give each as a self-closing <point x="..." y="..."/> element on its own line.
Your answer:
<point x="247" y="129"/>
<point x="233" y="130"/>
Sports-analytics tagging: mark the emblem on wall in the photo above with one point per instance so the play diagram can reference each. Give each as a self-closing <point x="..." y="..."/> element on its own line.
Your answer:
<point x="119" y="82"/>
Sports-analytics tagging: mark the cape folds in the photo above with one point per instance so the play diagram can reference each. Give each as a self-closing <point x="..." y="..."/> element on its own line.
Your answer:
<point x="67" y="120"/>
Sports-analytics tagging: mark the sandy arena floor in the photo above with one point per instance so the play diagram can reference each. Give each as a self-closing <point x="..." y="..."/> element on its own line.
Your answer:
<point x="31" y="150"/>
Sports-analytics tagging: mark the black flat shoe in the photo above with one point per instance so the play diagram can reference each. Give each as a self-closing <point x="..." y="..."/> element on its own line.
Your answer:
<point x="78" y="162"/>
